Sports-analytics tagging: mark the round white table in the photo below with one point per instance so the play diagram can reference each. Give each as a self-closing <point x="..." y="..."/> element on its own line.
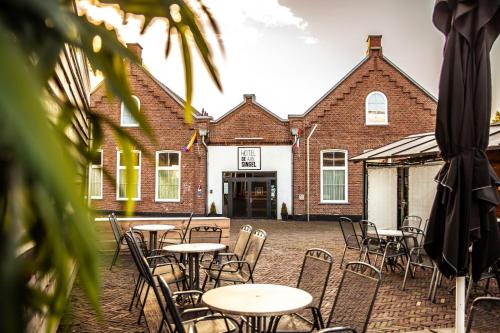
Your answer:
<point x="193" y="251"/>
<point x="257" y="301"/>
<point x="153" y="232"/>
<point x="390" y="233"/>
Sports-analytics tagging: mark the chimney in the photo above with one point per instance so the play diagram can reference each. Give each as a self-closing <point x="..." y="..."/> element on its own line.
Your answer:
<point x="136" y="49"/>
<point x="249" y="98"/>
<point x="374" y="46"/>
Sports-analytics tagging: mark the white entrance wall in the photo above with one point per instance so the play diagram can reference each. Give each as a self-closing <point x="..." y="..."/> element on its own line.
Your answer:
<point x="421" y="190"/>
<point x="382" y="197"/>
<point x="273" y="158"/>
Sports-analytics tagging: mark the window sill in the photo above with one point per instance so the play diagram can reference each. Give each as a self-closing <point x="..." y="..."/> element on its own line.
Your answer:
<point x="334" y="203"/>
<point x="370" y="125"/>
<point x="123" y="125"/>
<point x="125" y="199"/>
<point x="95" y="198"/>
<point x="168" y="200"/>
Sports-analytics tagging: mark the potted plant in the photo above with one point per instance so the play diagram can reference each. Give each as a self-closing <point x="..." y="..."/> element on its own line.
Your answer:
<point x="213" y="209"/>
<point x="284" y="212"/>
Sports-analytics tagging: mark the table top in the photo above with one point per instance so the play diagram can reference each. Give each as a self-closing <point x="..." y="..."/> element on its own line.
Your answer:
<point x="390" y="232"/>
<point x="195" y="247"/>
<point x="257" y="299"/>
<point x="154" y="227"/>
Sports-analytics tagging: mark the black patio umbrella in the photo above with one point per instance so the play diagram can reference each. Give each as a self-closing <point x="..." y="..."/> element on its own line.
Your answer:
<point x="463" y="212"/>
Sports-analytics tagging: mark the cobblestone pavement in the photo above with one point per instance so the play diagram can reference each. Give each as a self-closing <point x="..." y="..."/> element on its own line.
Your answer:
<point x="394" y="310"/>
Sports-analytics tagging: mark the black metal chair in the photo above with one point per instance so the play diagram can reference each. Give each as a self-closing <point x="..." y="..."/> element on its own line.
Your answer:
<point x="172" y="318"/>
<point x="153" y="265"/>
<point x="355" y="297"/>
<point x="417" y="257"/>
<point x="205" y="234"/>
<point x="120" y="240"/>
<point x="390" y="251"/>
<point x="412" y="221"/>
<point x="240" y="271"/>
<point x="484" y="315"/>
<point x="313" y="278"/>
<point x="176" y="236"/>
<point x="352" y="240"/>
<point x="238" y="250"/>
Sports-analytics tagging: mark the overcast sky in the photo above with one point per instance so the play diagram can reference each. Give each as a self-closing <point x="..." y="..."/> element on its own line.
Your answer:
<point x="290" y="52"/>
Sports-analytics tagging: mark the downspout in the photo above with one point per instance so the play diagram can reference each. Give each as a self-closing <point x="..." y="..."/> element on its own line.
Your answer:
<point x="206" y="172"/>
<point x="308" y="173"/>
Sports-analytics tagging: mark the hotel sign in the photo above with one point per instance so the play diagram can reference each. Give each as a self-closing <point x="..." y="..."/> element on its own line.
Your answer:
<point x="248" y="158"/>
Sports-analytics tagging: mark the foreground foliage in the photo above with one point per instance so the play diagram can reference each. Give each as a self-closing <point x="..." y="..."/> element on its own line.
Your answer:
<point x="42" y="201"/>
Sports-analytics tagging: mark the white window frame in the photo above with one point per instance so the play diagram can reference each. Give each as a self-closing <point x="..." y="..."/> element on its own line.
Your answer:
<point x="123" y="107"/>
<point x="386" y="122"/>
<point x="95" y="166"/>
<point x="346" y="176"/>
<point x="158" y="168"/>
<point x="118" y="168"/>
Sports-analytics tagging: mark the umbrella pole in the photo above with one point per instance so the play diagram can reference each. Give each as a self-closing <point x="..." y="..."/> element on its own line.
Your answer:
<point x="460" y="304"/>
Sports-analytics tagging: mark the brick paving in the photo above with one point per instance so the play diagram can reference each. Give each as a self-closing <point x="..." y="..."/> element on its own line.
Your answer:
<point x="394" y="310"/>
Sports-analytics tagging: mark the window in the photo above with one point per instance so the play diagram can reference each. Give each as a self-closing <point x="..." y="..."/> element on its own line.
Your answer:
<point x="334" y="176"/>
<point x="376" y="109"/>
<point x="127" y="120"/>
<point x="168" y="176"/>
<point x="121" y="180"/>
<point x="95" y="177"/>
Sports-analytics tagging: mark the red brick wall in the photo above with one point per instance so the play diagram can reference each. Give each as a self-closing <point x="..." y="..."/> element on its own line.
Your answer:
<point x="341" y="125"/>
<point x="249" y="120"/>
<point x="166" y="118"/>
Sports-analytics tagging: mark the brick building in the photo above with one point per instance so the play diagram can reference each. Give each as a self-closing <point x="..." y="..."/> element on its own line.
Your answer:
<point x="244" y="162"/>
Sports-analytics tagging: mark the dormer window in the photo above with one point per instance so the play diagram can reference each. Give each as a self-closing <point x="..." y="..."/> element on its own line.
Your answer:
<point x="376" y="109"/>
<point x="127" y="120"/>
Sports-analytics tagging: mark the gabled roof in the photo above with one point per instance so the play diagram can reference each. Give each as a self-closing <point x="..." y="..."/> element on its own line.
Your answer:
<point x="418" y="145"/>
<point x="252" y="96"/>
<point x="354" y="69"/>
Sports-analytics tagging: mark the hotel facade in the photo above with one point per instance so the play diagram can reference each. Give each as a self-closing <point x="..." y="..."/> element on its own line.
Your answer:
<point x="249" y="162"/>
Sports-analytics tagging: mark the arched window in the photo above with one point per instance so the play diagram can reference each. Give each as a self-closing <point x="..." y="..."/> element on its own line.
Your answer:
<point x="127" y="120"/>
<point x="376" y="109"/>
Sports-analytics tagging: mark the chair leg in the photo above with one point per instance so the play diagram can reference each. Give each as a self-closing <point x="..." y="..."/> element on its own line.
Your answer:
<point x="115" y="256"/>
<point x="431" y="285"/>
<point x="143" y="304"/>
<point x="406" y="275"/>
<point x="136" y="290"/>
<point x="343" y="255"/>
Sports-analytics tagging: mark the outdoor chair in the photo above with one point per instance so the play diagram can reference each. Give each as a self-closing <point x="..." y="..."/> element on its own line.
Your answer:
<point x="493" y="272"/>
<point x="412" y="221"/>
<point x="239" y="271"/>
<point x="153" y="265"/>
<point x="173" y="319"/>
<point x="177" y="235"/>
<point x="313" y="278"/>
<point x="355" y="297"/>
<point x="390" y="251"/>
<point x="484" y="315"/>
<point x="352" y="240"/>
<point x="205" y="234"/>
<point x="120" y="240"/>
<point x="238" y="250"/>
<point x="417" y="257"/>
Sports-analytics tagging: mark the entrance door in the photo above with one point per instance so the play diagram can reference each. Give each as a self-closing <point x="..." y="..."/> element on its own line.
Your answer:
<point x="259" y="199"/>
<point x="402" y="194"/>
<point x="249" y="194"/>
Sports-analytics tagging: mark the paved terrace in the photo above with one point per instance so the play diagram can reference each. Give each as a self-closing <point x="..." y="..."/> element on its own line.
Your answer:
<point x="394" y="310"/>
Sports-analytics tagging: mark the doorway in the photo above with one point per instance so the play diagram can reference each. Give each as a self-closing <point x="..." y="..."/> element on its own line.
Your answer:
<point x="249" y="194"/>
<point x="402" y="194"/>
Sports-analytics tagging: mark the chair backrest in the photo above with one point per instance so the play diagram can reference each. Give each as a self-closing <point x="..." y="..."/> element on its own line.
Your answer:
<point x="254" y="248"/>
<point x="412" y="221"/>
<point x="355" y="296"/>
<point x="484" y="315"/>
<point x="205" y="234"/>
<point x="412" y="237"/>
<point x="167" y="305"/>
<point x="349" y="233"/>
<point x="242" y="240"/>
<point x="185" y="228"/>
<point x="315" y="273"/>
<point x="369" y="230"/>
<point x="117" y="231"/>
<point x="136" y="253"/>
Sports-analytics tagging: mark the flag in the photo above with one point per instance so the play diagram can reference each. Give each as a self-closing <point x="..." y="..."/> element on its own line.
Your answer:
<point x="188" y="147"/>
<point x="296" y="142"/>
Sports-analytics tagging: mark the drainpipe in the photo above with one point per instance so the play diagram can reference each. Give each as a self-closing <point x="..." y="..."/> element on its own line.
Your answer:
<point x="206" y="168"/>
<point x="308" y="176"/>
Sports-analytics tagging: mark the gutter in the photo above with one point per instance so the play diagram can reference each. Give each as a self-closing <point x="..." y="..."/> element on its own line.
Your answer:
<point x="206" y="172"/>
<point x="308" y="171"/>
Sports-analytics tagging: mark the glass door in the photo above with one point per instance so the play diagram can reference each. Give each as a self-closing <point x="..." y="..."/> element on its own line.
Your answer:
<point x="258" y="199"/>
<point x="240" y="198"/>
